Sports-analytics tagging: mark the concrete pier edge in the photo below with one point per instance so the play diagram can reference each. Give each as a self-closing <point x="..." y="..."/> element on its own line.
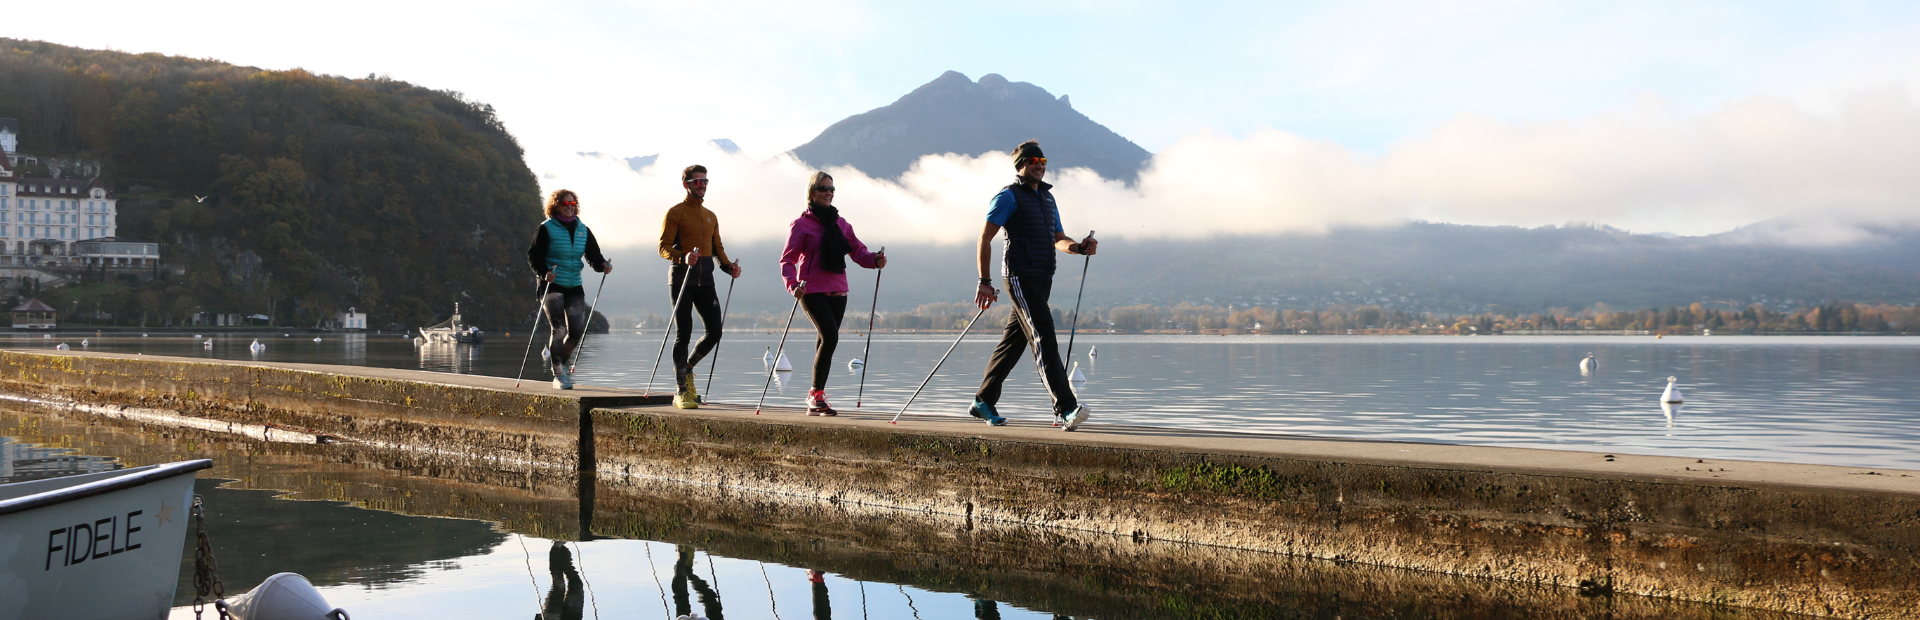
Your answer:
<point x="1809" y="539"/>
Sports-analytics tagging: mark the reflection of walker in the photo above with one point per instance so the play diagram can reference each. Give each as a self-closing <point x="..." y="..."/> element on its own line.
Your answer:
<point x="453" y="330"/>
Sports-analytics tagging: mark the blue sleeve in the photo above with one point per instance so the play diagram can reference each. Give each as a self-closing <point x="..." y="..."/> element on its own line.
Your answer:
<point x="1002" y="208"/>
<point x="1058" y="226"/>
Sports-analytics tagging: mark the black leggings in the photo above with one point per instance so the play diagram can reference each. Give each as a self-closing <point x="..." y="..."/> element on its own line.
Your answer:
<point x="699" y="295"/>
<point x="826" y="312"/>
<point x="566" y="321"/>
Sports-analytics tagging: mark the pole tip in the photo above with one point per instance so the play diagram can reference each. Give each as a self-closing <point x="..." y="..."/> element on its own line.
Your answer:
<point x="756" y="412"/>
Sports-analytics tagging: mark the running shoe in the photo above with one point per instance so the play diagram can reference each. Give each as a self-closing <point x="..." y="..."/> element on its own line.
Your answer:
<point x="562" y="380"/>
<point x="817" y="404"/>
<point x="1072" y="420"/>
<point x="687" y="387"/>
<point x="985" y="412"/>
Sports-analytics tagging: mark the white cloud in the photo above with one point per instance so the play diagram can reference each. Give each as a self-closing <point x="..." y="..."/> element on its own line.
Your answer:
<point x="1649" y="168"/>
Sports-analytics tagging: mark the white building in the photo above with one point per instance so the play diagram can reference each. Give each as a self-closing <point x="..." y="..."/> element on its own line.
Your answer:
<point x="353" y="318"/>
<point x="42" y="219"/>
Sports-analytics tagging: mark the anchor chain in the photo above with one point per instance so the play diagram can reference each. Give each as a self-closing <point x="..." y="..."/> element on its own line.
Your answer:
<point x="204" y="580"/>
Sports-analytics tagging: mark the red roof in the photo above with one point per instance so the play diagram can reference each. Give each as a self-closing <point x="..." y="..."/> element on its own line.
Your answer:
<point x="34" y="305"/>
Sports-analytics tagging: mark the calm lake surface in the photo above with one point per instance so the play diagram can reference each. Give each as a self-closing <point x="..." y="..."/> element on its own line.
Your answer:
<point x="386" y="542"/>
<point x="1815" y="399"/>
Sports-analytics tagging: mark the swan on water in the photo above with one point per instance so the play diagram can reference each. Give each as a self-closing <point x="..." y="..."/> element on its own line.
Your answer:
<point x="197" y="336"/>
<point x="1093" y="353"/>
<point x="316" y="340"/>
<point x="1672" y="395"/>
<point x="208" y="345"/>
<point x="855" y="364"/>
<point x="1589" y="364"/>
<point x="83" y="342"/>
<point x="782" y="363"/>
<point x="62" y="347"/>
<point x="767" y="359"/>
<point x="256" y="347"/>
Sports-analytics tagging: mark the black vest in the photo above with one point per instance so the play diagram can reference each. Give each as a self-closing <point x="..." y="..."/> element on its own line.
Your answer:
<point x="1029" y="249"/>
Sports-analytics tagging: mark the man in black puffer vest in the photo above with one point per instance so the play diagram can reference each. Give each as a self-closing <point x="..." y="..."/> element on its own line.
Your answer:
<point x="1026" y="211"/>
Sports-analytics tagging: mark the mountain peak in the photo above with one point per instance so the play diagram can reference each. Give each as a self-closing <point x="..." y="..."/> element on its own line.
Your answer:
<point x="953" y="114"/>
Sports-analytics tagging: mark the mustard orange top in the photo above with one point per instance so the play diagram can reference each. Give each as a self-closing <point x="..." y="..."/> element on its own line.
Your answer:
<point x="690" y="225"/>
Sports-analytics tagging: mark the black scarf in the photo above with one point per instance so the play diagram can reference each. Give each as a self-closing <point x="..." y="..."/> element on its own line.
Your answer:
<point x="833" y="244"/>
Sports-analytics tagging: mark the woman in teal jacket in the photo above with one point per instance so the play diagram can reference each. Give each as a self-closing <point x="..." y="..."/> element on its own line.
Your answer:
<point x="558" y="246"/>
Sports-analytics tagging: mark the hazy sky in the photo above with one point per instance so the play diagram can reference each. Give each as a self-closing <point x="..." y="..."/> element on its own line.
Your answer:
<point x="1651" y="115"/>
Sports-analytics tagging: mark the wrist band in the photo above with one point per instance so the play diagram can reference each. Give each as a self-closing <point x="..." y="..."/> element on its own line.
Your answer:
<point x="986" y="280"/>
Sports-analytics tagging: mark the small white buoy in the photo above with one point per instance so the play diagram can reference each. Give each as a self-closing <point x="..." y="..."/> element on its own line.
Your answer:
<point x="1672" y="395"/>
<point x="208" y="345"/>
<point x="286" y="335"/>
<point x="855" y="364"/>
<point x="256" y="347"/>
<point x="83" y="342"/>
<point x="286" y="596"/>
<point x="316" y="340"/>
<point x="1075" y="376"/>
<point x="767" y="359"/>
<point x="143" y="335"/>
<point x="782" y="363"/>
<point x="62" y="346"/>
<point x="1589" y="364"/>
<point x="1093" y="353"/>
<point x="46" y="336"/>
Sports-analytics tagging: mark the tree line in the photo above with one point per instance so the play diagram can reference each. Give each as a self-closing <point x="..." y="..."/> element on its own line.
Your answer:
<point x="1839" y="317"/>
<point x="281" y="192"/>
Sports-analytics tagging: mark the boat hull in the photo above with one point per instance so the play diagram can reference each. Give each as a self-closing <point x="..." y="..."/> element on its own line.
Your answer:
<point x="95" y="546"/>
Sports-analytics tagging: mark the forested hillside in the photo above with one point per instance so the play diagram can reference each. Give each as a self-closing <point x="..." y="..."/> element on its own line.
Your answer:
<point x="323" y="192"/>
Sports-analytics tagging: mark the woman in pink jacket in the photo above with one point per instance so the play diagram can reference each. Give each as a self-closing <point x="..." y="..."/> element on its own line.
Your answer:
<point x="818" y="244"/>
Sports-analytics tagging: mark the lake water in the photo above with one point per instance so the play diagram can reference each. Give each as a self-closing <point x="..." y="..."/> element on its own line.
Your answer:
<point x="1815" y="399"/>
<point x="386" y="542"/>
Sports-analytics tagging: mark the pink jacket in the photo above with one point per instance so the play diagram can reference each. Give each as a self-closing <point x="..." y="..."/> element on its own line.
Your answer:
<point x="801" y="258"/>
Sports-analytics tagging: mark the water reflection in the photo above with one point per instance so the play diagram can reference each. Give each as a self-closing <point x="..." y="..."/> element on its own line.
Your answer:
<point x="383" y="540"/>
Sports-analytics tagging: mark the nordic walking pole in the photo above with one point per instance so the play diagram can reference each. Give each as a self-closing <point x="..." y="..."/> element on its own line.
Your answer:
<point x="936" y="366"/>
<point x="869" y="351"/>
<point x="574" y="364"/>
<point x="536" y="331"/>
<point x="1076" y="299"/>
<point x="685" y="279"/>
<point x="715" y="362"/>
<point x="771" y="368"/>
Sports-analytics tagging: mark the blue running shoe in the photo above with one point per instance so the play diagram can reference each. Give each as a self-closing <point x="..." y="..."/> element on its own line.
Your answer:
<point x="1072" y="420"/>
<point x="985" y="412"/>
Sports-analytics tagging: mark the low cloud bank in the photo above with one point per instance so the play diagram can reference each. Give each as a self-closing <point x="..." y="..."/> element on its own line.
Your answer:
<point x="1650" y="168"/>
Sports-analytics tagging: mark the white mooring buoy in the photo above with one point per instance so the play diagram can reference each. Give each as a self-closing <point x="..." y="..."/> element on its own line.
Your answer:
<point x="1672" y="395"/>
<point x="856" y="364"/>
<point x="782" y="363"/>
<point x="1589" y="364"/>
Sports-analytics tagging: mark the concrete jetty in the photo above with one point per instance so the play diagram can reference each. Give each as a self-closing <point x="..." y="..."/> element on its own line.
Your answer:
<point x="1809" y="539"/>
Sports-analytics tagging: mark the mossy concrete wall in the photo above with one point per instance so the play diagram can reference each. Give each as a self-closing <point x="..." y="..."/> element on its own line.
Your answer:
<point x="1780" y="546"/>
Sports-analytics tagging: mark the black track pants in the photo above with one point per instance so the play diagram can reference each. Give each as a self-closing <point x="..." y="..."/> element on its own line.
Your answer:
<point x="699" y="295"/>
<point x="826" y="312"/>
<point x="1029" y="324"/>
<point x="566" y="321"/>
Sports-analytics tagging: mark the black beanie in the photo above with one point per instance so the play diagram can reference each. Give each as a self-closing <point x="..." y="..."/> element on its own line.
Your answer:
<point x="1030" y="148"/>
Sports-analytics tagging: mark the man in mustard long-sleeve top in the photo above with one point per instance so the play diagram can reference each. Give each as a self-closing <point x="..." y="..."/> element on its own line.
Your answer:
<point x="690" y="239"/>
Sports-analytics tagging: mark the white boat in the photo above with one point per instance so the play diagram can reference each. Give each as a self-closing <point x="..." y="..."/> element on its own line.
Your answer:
<point x="453" y="330"/>
<point x="100" y="545"/>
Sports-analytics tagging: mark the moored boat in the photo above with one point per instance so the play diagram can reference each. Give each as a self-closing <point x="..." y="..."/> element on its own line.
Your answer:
<point x="453" y="330"/>
<point x="99" y="545"/>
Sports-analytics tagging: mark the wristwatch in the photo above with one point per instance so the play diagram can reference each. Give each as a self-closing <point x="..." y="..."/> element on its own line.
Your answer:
<point x="986" y="280"/>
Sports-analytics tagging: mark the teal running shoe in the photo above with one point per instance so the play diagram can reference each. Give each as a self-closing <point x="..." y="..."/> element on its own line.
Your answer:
<point x="1073" y="419"/>
<point x="985" y="412"/>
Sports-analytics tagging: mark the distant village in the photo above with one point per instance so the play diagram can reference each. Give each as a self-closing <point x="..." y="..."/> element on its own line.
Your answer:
<point x="59" y="223"/>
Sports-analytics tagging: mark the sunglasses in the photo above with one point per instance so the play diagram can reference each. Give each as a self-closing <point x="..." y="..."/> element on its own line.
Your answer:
<point x="1037" y="160"/>
<point x="823" y="188"/>
<point x="569" y="203"/>
<point x="697" y="182"/>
